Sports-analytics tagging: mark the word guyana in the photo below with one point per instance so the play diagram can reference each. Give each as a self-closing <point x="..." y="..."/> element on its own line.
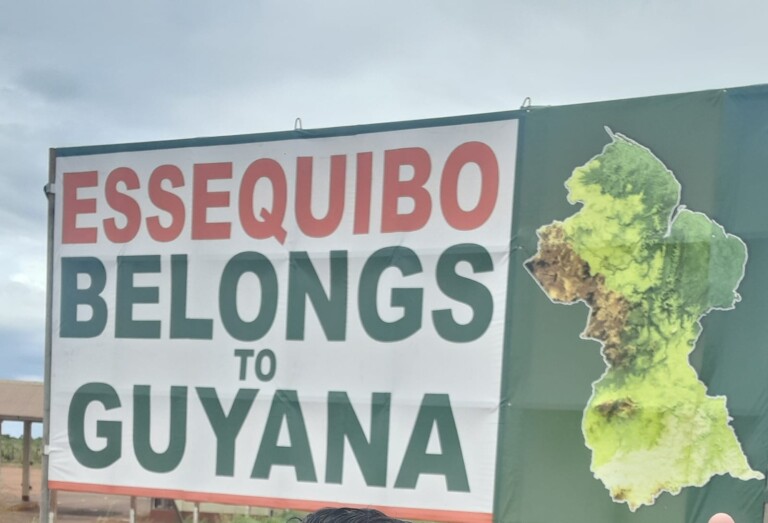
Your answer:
<point x="343" y="431"/>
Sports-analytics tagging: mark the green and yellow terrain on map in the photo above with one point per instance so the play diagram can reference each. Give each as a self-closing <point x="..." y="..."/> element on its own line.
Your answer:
<point x="648" y="269"/>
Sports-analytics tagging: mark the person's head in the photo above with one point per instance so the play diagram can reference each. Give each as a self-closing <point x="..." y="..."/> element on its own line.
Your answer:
<point x="721" y="517"/>
<point x="350" y="515"/>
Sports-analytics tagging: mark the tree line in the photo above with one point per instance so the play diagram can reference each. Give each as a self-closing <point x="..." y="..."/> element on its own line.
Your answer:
<point x="12" y="450"/>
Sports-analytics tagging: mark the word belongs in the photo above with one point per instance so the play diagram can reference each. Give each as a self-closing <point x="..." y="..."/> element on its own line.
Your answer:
<point x="303" y="286"/>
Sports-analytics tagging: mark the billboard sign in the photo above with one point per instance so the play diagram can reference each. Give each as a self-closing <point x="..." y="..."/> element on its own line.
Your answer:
<point x="550" y="314"/>
<point x="285" y="321"/>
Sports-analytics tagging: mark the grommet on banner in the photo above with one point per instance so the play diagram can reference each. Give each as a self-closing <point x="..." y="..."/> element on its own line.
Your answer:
<point x="297" y="125"/>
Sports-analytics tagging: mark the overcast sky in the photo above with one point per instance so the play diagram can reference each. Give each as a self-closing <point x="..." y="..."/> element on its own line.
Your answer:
<point x="94" y="72"/>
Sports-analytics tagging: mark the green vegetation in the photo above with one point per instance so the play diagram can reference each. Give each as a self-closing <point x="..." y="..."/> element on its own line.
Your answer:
<point x="281" y="517"/>
<point x="649" y="270"/>
<point x="11" y="450"/>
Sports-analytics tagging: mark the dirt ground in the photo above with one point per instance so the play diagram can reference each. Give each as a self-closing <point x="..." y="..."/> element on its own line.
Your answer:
<point x="72" y="507"/>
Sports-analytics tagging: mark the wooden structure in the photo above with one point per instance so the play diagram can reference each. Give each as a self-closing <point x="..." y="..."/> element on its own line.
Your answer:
<point x="22" y="401"/>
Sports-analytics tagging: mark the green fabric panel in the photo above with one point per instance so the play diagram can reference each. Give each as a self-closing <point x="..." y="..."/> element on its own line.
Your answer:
<point x="716" y="144"/>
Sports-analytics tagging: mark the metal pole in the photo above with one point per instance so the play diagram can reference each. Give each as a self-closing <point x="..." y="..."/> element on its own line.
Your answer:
<point x="196" y="513"/>
<point x="25" y="461"/>
<point x="52" y="509"/>
<point x="1" y="448"/>
<point x="132" y="513"/>
<point x="45" y="497"/>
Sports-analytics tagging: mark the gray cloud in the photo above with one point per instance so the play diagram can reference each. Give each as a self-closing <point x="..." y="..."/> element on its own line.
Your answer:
<point x="26" y="358"/>
<point x="84" y="72"/>
<point x="53" y="85"/>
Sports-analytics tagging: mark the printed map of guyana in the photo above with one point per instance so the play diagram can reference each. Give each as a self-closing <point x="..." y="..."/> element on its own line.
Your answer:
<point x="649" y="270"/>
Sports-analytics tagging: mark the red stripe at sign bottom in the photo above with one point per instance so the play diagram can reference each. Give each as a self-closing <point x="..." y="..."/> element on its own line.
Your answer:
<point x="446" y="516"/>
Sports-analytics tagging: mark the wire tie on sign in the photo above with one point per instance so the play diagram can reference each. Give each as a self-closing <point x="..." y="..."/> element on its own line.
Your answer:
<point x="526" y="103"/>
<point x="297" y="125"/>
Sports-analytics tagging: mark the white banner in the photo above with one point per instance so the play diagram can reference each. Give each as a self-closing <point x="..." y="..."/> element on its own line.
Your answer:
<point x="289" y="323"/>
